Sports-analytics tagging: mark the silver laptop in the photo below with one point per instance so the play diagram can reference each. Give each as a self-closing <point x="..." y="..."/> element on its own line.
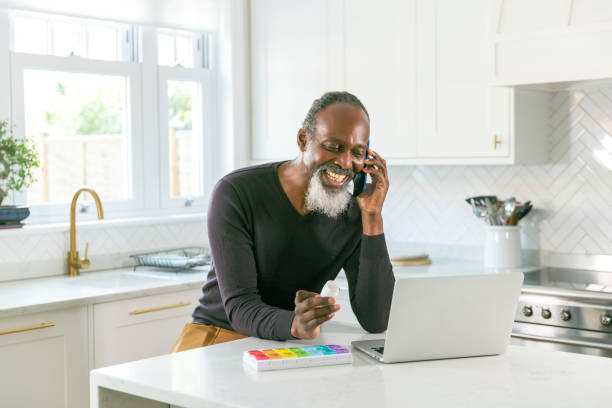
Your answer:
<point x="448" y="317"/>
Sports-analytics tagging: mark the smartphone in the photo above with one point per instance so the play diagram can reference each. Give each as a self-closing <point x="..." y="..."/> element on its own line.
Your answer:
<point x="360" y="181"/>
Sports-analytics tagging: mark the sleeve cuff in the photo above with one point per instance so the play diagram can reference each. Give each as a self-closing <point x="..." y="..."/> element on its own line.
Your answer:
<point x="374" y="247"/>
<point x="285" y="327"/>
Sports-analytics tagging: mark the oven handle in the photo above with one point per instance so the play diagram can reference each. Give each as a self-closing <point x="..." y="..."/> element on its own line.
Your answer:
<point x="563" y="341"/>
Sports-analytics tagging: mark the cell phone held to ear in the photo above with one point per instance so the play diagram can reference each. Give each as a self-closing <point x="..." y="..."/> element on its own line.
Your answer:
<point x="360" y="181"/>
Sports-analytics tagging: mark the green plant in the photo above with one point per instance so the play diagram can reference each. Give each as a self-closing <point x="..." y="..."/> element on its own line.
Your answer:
<point x="17" y="158"/>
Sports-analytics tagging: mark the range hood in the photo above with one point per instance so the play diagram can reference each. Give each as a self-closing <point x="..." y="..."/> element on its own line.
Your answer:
<point x="554" y="44"/>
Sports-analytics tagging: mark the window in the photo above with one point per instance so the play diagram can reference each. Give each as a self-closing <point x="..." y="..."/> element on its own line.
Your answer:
<point x="79" y="125"/>
<point x="186" y="123"/>
<point x="36" y="33"/>
<point x="184" y="143"/>
<point x="86" y="94"/>
<point x="181" y="48"/>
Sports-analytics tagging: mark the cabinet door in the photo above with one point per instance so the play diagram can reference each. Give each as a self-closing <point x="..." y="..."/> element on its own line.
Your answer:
<point x="44" y="360"/>
<point x="143" y="327"/>
<point x="458" y="114"/>
<point x="296" y="56"/>
<point x="380" y="69"/>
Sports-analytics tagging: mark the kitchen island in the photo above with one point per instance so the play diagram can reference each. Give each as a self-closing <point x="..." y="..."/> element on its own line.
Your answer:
<point x="215" y="376"/>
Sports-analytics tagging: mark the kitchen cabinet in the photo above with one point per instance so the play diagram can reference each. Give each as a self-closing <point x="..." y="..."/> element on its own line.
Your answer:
<point x="461" y="119"/>
<point x="550" y="41"/>
<point x="44" y="359"/>
<point x="381" y="69"/>
<point x="296" y="56"/>
<point x="419" y="66"/>
<point x="142" y="327"/>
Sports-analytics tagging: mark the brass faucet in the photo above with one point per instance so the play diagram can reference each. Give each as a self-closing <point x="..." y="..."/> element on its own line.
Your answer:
<point x="74" y="262"/>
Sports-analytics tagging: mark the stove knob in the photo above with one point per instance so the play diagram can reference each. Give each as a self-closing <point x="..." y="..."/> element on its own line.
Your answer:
<point x="606" y="319"/>
<point x="527" y="311"/>
<point x="546" y="313"/>
<point x="565" y="315"/>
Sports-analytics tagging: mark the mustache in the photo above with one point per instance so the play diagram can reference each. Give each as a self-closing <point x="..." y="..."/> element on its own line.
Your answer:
<point x="338" y="170"/>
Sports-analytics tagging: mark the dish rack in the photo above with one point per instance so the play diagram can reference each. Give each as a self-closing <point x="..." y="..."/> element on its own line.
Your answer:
<point x="178" y="259"/>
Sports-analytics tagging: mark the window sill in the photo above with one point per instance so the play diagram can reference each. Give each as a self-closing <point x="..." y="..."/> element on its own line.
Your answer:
<point x="102" y="224"/>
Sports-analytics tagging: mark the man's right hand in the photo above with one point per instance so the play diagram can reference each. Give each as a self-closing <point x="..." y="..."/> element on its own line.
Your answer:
<point x="311" y="310"/>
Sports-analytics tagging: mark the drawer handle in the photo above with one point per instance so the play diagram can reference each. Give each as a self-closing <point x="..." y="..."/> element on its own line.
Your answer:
<point x="36" y="327"/>
<point x="155" y="309"/>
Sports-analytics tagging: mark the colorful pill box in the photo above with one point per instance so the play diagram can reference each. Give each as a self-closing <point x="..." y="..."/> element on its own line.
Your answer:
<point x="295" y="357"/>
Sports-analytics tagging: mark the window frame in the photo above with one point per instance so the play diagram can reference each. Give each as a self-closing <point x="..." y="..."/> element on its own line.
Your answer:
<point x="205" y="79"/>
<point x="126" y="49"/>
<point x="148" y="147"/>
<point x="20" y="62"/>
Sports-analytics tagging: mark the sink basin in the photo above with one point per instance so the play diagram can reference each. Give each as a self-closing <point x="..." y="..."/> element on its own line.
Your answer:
<point x="118" y="280"/>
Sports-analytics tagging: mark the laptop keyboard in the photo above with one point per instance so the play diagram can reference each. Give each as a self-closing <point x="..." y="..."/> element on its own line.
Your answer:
<point x="378" y="349"/>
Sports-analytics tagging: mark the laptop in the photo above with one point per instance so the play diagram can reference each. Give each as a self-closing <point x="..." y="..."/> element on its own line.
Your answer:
<point x="448" y="317"/>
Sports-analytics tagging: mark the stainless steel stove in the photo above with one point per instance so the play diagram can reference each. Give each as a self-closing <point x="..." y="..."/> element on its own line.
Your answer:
<point x="566" y="309"/>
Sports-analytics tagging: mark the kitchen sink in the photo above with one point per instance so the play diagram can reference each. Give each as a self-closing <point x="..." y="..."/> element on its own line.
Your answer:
<point x="121" y="279"/>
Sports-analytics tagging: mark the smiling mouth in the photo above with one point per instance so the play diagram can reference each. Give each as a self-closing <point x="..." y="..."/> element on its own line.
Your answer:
<point x="334" y="178"/>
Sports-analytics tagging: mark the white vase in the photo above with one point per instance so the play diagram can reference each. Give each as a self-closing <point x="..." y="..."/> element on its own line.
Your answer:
<point x="502" y="246"/>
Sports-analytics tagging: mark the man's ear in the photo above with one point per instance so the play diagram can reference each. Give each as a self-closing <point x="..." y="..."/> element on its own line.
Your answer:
<point x="302" y="139"/>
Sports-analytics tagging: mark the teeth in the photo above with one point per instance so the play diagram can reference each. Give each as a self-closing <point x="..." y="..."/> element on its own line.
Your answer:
<point x="335" y="176"/>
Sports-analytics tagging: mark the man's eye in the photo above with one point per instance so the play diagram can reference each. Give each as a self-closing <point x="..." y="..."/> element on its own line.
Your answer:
<point x="333" y="148"/>
<point x="359" y="153"/>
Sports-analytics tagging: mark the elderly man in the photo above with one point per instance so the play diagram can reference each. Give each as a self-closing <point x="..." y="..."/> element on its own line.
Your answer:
<point x="279" y="231"/>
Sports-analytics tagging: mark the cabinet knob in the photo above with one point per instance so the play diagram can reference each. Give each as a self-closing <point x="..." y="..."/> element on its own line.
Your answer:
<point x="496" y="141"/>
<point x="546" y="313"/>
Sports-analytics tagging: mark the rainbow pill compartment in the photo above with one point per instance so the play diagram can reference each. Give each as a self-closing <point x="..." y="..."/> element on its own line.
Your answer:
<point x="296" y="357"/>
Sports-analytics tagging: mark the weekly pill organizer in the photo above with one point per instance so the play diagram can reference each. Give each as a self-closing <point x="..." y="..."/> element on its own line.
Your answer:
<point x="295" y="357"/>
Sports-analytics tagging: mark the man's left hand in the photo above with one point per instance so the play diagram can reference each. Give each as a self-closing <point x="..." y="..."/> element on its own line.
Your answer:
<point x="372" y="199"/>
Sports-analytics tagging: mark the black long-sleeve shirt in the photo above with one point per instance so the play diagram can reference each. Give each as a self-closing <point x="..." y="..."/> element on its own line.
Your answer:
<point x="264" y="251"/>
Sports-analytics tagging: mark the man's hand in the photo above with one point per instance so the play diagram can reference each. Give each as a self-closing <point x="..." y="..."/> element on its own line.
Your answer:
<point x="311" y="310"/>
<point x="372" y="199"/>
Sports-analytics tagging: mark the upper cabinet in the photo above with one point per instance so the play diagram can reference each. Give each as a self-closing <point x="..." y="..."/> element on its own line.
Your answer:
<point x="381" y="70"/>
<point x="296" y="56"/>
<point x="421" y="68"/>
<point x="548" y="41"/>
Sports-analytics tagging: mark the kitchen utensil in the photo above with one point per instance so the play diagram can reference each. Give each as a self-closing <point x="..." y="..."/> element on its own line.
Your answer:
<point x="522" y="212"/>
<point x="479" y="210"/>
<point x="491" y="214"/>
<point x="509" y="209"/>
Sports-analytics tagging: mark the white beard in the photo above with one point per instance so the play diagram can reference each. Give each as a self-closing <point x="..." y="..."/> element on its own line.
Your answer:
<point x="319" y="199"/>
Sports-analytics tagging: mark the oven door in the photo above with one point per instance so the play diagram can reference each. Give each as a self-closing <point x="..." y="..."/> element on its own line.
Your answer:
<point x="562" y="339"/>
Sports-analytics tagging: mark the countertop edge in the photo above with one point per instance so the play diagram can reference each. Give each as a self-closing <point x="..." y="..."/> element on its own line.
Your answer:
<point x="97" y="299"/>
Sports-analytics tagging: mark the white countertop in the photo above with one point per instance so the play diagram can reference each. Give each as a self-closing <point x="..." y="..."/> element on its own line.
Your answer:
<point x="58" y="292"/>
<point x="215" y="376"/>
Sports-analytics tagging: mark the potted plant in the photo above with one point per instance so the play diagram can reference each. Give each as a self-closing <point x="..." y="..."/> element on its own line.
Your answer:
<point x="17" y="158"/>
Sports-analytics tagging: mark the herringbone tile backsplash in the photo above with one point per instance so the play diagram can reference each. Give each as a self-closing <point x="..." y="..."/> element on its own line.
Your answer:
<point x="572" y="195"/>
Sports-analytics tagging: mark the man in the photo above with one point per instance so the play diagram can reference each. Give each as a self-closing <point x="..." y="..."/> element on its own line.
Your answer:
<point x="279" y="231"/>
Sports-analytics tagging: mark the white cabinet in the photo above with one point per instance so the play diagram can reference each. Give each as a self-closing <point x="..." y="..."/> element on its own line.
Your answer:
<point x="549" y="41"/>
<point x="380" y="69"/>
<point x="44" y="359"/>
<point x="296" y="56"/>
<point x="138" y="328"/>
<point x="461" y="119"/>
<point x="421" y="68"/>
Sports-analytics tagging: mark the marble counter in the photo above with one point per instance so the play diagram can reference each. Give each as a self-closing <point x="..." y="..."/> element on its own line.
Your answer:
<point x="215" y="376"/>
<point x="58" y="292"/>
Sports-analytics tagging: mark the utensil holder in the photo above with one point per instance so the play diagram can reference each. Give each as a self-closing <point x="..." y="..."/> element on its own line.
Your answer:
<point x="502" y="246"/>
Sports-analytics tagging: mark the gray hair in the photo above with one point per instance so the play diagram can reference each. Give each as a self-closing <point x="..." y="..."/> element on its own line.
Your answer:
<point x="329" y="98"/>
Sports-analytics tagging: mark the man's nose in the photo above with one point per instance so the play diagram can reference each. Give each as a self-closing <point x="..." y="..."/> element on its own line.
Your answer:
<point x="345" y="160"/>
